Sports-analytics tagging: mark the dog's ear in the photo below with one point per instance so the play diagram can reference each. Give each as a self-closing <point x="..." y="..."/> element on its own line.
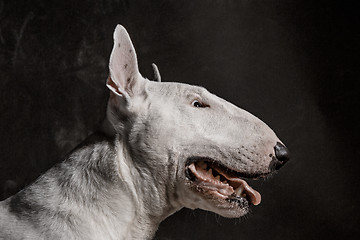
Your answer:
<point x="125" y="79"/>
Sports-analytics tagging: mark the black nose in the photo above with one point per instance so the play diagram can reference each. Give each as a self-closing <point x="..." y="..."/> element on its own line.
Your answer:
<point x="281" y="157"/>
<point x="281" y="153"/>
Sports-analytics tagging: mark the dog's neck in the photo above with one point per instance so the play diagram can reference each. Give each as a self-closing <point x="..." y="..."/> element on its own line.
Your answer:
<point x="147" y="194"/>
<point x="137" y="199"/>
<point x="99" y="192"/>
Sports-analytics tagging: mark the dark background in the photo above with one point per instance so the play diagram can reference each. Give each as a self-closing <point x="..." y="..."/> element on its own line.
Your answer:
<point x="294" y="64"/>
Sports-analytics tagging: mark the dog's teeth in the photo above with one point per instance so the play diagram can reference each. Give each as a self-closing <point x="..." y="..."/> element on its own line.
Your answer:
<point x="210" y="171"/>
<point x="223" y="191"/>
<point x="217" y="178"/>
<point x="225" y="182"/>
<point x="239" y="190"/>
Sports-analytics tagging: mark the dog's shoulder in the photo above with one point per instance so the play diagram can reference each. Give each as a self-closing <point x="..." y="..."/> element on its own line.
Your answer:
<point x="48" y="203"/>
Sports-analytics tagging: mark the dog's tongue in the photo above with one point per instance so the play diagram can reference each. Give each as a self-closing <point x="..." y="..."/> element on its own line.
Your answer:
<point x="255" y="196"/>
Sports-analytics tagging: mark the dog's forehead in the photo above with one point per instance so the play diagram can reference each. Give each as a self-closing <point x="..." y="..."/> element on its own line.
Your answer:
<point x="176" y="89"/>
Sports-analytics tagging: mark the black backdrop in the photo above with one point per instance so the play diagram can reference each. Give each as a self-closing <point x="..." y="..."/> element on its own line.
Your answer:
<point x="294" y="64"/>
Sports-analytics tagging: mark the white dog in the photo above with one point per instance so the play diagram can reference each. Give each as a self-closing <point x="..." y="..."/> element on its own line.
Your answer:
<point x="164" y="146"/>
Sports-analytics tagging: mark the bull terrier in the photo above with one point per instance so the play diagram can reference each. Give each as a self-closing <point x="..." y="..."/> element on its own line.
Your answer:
<point x="162" y="146"/>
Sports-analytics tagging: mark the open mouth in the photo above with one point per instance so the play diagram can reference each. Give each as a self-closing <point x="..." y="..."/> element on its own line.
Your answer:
<point x="222" y="183"/>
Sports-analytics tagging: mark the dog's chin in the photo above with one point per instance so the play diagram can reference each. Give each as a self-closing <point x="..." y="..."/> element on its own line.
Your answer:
<point x="214" y="201"/>
<point x="221" y="189"/>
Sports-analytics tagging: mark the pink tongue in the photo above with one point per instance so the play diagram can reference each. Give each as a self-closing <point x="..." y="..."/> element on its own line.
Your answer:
<point x="254" y="195"/>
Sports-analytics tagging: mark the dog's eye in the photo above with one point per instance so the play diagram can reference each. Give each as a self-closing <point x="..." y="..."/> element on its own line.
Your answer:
<point x="198" y="104"/>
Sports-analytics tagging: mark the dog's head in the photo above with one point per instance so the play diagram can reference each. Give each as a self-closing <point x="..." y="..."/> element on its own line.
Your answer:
<point x="197" y="144"/>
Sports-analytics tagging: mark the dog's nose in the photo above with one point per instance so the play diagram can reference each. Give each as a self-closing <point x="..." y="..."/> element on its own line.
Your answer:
<point x="281" y="153"/>
<point x="281" y="157"/>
